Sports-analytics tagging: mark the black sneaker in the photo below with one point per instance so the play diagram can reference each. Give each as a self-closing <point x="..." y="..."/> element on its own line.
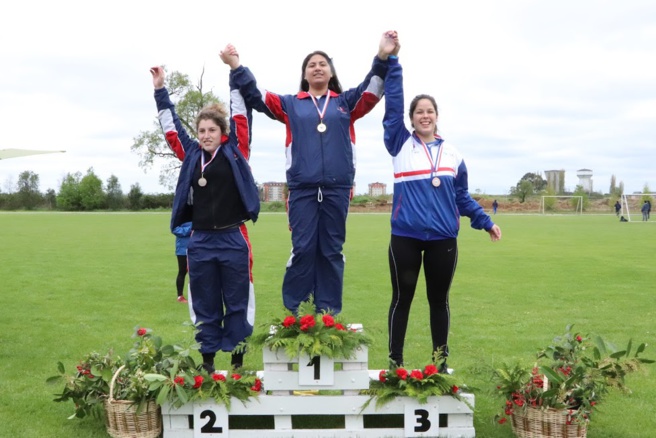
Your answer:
<point x="443" y="369"/>
<point x="237" y="360"/>
<point x="209" y="367"/>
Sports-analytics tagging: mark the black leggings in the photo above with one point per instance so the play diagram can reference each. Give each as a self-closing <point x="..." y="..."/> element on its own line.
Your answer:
<point x="182" y="272"/>
<point x="440" y="258"/>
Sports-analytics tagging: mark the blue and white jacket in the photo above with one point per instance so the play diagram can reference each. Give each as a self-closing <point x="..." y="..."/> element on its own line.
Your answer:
<point x="419" y="209"/>
<point x="327" y="159"/>
<point x="235" y="146"/>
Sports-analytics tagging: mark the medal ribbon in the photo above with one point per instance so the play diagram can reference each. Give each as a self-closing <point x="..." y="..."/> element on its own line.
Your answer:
<point x="434" y="164"/>
<point x="203" y="165"/>
<point x="325" y="106"/>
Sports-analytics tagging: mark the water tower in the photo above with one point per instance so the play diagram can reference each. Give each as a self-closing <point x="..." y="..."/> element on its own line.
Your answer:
<point x="585" y="179"/>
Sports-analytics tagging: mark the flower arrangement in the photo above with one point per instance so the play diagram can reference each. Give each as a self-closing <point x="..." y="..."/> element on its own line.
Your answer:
<point x="309" y="332"/>
<point x="572" y="374"/>
<point x="418" y="384"/>
<point x="151" y="371"/>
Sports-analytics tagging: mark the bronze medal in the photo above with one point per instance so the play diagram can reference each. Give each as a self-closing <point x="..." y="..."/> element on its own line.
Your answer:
<point x="436" y="182"/>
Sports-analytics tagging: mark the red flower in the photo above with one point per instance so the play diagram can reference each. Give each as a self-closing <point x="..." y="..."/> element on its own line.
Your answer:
<point x="89" y="375"/>
<point x="502" y="420"/>
<point x="455" y="389"/>
<point x="592" y="403"/>
<point x="179" y="380"/>
<point x="382" y="376"/>
<point x="328" y="320"/>
<point x="289" y="321"/>
<point x="508" y="411"/>
<point x="416" y="374"/>
<point x="402" y="373"/>
<point x="198" y="381"/>
<point x="236" y="376"/>
<point x="338" y="326"/>
<point x="430" y="370"/>
<point x="307" y="322"/>
<point x="141" y="331"/>
<point x="579" y="338"/>
<point x="218" y="377"/>
<point x="257" y="386"/>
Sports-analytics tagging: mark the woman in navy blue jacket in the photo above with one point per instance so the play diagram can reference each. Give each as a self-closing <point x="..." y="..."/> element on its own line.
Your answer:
<point x="217" y="193"/>
<point x="430" y="195"/>
<point x="320" y="154"/>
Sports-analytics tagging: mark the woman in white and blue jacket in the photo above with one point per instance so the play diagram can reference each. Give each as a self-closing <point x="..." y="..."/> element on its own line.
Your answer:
<point x="182" y="234"/>
<point x="320" y="152"/>
<point x="430" y="196"/>
<point x="217" y="193"/>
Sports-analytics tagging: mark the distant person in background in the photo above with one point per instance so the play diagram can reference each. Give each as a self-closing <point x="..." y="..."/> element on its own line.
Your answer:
<point x="618" y="208"/>
<point x="645" y="211"/>
<point x="648" y="208"/>
<point x="182" y="233"/>
<point x="430" y="195"/>
<point x="495" y="205"/>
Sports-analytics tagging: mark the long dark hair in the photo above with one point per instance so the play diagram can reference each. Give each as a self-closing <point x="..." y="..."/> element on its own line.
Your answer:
<point x="333" y="84"/>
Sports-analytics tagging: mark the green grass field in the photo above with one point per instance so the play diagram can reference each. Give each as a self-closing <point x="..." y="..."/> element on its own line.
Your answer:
<point x="74" y="283"/>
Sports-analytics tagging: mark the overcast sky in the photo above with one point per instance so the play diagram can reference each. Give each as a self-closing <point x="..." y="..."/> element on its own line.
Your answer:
<point x="522" y="86"/>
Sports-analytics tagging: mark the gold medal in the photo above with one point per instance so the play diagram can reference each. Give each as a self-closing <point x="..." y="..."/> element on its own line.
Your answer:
<point x="202" y="182"/>
<point x="321" y="127"/>
<point x="436" y="182"/>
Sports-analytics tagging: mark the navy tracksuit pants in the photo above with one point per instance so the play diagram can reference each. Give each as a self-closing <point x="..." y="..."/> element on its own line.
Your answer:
<point x="317" y="219"/>
<point x="221" y="295"/>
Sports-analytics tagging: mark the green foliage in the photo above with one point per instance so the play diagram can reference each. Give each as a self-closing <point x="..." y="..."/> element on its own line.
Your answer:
<point x="418" y="384"/>
<point x="28" y="190"/>
<point x="115" y="199"/>
<point x="572" y="373"/>
<point x="134" y="197"/>
<point x="321" y="334"/>
<point x="522" y="190"/>
<point x="69" y="197"/>
<point x="586" y="198"/>
<point x="92" y="196"/>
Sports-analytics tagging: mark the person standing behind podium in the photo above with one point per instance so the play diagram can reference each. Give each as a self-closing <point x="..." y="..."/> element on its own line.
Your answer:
<point x="430" y="195"/>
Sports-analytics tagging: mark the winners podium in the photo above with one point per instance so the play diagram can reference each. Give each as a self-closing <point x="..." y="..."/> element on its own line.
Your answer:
<point x="319" y="397"/>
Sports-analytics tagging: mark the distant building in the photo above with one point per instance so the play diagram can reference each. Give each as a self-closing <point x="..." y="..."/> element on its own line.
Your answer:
<point x="377" y="189"/>
<point x="556" y="180"/>
<point x="273" y="191"/>
<point x="585" y="179"/>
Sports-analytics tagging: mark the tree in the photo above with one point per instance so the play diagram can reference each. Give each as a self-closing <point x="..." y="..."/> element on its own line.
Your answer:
<point x="584" y="196"/>
<point x="28" y="193"/>
<point x="151" y="145"/>
<point x="115" y="199"/>
<point x="613" y="186"/>
<point x="69" y="193"/>
<point x="92" y="196"/>
<point x="134" y="197"/>
<point x="50" y="199"/>
<point x="536" y="180"/>
<point x="522" y="190"/>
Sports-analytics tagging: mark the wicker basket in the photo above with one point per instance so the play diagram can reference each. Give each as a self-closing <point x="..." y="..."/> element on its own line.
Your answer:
<point x="123" y="421"/>
<point x="545" y="423"/>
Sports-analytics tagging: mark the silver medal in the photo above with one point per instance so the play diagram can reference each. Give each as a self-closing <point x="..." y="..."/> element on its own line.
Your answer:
<point x="436" y="182"/>
<point x="321" y="127"/>
<point x="202" y="182"/>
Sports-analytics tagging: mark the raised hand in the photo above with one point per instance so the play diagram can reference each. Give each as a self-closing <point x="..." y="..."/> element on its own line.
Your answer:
<point x="230" y="56"/>
<point x="389" y="44"/>
<point x="158" y="77"/>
